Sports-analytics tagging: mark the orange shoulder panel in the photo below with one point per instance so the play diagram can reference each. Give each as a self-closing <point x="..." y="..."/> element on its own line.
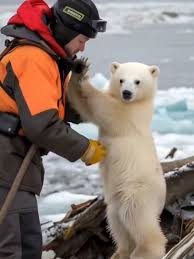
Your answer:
<point x="38" y="77"/>
<point x="2" y="71"/>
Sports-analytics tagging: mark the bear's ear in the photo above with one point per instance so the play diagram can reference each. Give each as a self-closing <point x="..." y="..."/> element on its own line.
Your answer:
<point x="155" y="71"/>
<point x="114" y="66"/>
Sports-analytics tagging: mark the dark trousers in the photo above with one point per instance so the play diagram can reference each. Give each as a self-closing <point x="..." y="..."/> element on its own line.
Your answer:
<point x="20" y="233"/>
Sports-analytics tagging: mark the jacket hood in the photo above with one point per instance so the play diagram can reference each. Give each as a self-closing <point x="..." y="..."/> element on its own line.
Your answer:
<point x="31" y="14"/>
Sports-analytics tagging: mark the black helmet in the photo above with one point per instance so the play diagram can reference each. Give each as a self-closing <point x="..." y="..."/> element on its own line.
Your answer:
<point x="73" y="17"/>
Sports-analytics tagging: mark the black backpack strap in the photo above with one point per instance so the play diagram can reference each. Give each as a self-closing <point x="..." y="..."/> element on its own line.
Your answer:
<point x="4" y="85"/>
<point x="8" y="81"/>
<point x="9" y="46"/>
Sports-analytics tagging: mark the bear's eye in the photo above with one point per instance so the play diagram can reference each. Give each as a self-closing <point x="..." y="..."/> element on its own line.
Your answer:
<point x="137" y="82"/>
<point x="121" y="81"/>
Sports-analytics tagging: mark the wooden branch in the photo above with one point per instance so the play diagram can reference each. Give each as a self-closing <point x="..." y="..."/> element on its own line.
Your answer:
<point x="77" y="229"/>
<point x="179" y="183"/>
<point x="170" y="166"/>
<point x="182" y="248"/>
<point x="171" y="153"/>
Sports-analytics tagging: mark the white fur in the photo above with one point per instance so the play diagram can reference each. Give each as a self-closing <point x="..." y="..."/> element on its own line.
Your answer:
<point x="134" y="186"/>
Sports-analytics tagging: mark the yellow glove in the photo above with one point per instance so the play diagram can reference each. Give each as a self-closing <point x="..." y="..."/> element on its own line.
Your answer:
<point x="95" y="153"/>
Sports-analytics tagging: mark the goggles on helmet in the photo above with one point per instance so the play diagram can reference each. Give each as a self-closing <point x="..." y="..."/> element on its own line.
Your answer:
<point x="98" y="25"/>
<point x="86" y="26"/>
<point x="90" y="28"/>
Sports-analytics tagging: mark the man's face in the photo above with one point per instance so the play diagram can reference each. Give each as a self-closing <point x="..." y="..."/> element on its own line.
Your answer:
<point x="76" y="44"/>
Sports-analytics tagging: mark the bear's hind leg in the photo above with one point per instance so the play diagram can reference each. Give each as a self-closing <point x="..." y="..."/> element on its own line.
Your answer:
<point x="124" y="244"/>
<point x="149" y="239"/>
<point x="152" y="247"/>
<point x="143" y="225"/>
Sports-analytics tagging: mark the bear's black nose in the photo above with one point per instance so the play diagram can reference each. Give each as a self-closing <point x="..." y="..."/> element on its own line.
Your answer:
<point x="127" y="94"/>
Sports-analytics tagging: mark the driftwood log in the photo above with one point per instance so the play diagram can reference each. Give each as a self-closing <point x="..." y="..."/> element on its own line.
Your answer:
<point x="170" y="166"/>
<point x="179" y="182"/>
<point x="183" y="248"/>
<point x="83" y="234"/>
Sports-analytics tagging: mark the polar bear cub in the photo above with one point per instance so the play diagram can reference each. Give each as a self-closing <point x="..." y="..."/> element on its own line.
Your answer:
<point x="134" y="186"/>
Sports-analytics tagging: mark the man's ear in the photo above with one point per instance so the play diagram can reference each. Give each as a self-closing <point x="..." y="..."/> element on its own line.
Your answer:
<point x="154" y="70"/>
<point x="114" y="67"/>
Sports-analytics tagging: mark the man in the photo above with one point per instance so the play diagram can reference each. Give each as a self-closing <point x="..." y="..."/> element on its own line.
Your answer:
<point x="37" y="63"/>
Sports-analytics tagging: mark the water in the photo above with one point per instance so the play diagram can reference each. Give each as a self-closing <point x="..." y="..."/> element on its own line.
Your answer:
<point x="171" y="47"/>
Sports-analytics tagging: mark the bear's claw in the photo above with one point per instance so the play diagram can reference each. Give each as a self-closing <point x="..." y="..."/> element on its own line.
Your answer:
<point x="80" y="68"/>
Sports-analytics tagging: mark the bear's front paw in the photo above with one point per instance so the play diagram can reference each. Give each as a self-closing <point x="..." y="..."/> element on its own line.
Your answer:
<point x="80" y="69"/>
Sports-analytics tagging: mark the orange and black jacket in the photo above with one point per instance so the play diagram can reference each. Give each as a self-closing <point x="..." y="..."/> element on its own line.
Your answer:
<point x="35" y="78"/>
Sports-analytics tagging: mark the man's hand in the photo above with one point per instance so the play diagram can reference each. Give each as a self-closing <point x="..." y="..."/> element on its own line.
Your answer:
<point x="95" y="153"/>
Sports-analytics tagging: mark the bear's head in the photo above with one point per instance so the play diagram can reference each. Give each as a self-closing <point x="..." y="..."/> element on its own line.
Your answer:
<point x="133" y="81"/>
